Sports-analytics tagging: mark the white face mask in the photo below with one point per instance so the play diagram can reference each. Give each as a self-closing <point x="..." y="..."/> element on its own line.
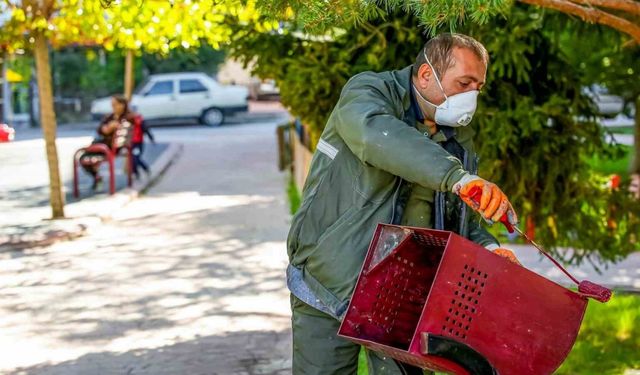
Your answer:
<point x="456" y="110"/>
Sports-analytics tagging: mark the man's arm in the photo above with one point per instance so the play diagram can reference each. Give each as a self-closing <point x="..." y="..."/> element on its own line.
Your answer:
<point x="368" y="122"/>
<point x="479" y="235"/>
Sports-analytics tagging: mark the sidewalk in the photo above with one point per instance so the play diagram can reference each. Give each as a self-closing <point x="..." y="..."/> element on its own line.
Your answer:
<point x="25" y="196"/>
<point x="187" y="279"/>
<point x="25" y="204"/>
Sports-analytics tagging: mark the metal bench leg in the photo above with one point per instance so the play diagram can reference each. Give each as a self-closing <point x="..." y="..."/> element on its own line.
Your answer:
<point x="76" y="158"/>
<point x="130" y="165"/>
<point x="112" y="177"/>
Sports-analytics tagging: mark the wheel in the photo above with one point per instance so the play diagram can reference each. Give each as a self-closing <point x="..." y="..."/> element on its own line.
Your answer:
<point x="212" y="117"/>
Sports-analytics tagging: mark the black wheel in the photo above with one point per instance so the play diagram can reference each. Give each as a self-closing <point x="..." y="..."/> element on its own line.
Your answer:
<point x="212" y="117"/>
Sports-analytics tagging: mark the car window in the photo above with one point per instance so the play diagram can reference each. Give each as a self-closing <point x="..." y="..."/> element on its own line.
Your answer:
<point x="191" y="85"/>
<point x="141" y="88"/>
<point x="161" y="88"/>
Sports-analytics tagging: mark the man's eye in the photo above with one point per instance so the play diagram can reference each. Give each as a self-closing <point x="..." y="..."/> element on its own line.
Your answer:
<point x="464" y="84"/>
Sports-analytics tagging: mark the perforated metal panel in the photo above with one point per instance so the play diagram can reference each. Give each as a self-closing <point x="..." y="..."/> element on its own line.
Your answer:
<point x="435" y="282"/>
<point x="401" y="301"/>
<point x="429" y="240"/>
<point x="465" y="301"/>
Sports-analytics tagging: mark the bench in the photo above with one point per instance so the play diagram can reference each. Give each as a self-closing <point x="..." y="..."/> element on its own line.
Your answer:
<point x="120" y="145"/>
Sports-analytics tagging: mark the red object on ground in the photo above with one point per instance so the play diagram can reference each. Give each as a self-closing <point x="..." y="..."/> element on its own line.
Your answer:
<point x="7" y="133"/>
<point x="439" y="301"/>
<point x="614" y="182"/>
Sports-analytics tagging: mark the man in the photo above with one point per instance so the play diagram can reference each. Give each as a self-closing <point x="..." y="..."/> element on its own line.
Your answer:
<point x="396" y="149"/>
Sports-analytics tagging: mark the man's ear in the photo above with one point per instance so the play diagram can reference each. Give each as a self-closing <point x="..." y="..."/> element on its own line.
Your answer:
<point x="424" y="75"/>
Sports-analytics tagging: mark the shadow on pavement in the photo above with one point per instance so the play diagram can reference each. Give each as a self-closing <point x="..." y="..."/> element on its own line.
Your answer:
<point x="258" y="352"/>
<point x="143" y="286"/>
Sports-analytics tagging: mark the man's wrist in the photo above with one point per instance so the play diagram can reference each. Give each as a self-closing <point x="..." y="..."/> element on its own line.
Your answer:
<point x="465" y="179"/>
<point x="453" y="178"/>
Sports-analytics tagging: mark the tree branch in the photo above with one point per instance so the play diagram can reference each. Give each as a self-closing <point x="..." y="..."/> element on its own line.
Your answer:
<point x="623" y="5"/>
<point x="592" y="15"/>
<point x="47" y="8"/>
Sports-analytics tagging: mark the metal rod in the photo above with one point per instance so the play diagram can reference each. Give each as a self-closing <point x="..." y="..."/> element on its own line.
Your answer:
<point x="540" y="249"/>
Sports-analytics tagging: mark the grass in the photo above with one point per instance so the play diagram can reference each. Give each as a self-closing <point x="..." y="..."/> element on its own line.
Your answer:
<point x="608" y="342"/>
<point x="362" y="363"/>
<point x="609" y="339"/>
<point x="621" y="129"/>
<point x="613" y="166"/>
<point x="294" y="196"/>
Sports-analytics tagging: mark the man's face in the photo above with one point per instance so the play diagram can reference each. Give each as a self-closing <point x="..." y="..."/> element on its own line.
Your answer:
<point x="467" y="73"/>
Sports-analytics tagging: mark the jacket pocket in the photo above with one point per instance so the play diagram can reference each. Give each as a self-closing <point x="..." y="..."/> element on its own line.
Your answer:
<point x="346" y="216"/>
<point x="337" y="258"/>
<point x="374" y="185"/>
<point x="298" y="220"/>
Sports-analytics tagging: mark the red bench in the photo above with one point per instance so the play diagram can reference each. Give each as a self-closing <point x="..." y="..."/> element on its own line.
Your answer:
<point x="121" y="141"/>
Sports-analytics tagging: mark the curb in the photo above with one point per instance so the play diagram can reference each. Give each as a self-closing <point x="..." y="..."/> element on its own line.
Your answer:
<point x="156" y="170"/>
<point x="82" y="215"/>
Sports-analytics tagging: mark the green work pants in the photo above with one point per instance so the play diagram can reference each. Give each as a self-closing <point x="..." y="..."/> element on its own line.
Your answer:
<point x="318" y="350"/>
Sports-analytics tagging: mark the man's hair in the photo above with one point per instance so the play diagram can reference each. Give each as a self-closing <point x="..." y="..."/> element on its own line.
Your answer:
<point x="439" y="50"/>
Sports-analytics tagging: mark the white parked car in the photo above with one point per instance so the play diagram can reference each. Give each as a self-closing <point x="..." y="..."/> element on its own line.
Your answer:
<point x="607" y="104"/>
<point x="263" y="90"/>
<point x="182" y="96"/>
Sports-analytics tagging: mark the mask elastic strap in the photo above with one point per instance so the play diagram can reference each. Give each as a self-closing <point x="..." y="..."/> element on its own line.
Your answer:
<point x="423" y="98"/>
<point x="435" y="74"/>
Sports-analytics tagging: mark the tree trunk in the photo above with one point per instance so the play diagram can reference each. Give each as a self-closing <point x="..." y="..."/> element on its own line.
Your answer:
<point x="48" y="123"/>
<point x="128" y="75"/>
<point x="635" y="159"/>
<point x="7" y="113"/>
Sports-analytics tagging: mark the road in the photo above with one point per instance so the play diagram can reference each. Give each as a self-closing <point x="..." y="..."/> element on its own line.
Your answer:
<point x="188" y="279"/>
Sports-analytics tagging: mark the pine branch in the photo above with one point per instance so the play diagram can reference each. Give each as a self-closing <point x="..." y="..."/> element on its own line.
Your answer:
<point x="592" y="15"/>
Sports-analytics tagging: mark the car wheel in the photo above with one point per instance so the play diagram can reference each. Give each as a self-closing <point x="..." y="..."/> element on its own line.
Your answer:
<point x="212" y="117"/>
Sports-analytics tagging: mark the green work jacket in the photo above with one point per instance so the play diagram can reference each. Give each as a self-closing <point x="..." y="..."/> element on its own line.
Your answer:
<point x="370" y="153"/>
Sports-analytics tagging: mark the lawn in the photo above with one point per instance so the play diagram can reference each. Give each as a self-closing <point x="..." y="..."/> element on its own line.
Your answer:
<point x="608" y="342"/>
<point x="609" y="339"/>
<point x="294" y="196"/>
<point x="621" y="129"/>
<point x="613" y="166"/>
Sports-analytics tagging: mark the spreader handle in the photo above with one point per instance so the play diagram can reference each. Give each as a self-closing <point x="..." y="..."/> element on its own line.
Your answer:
<point x="586" y="288"/>
<point x="457" y="352"/>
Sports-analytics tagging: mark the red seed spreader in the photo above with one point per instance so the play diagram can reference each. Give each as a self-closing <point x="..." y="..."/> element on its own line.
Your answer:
<point x="438" y="301"/>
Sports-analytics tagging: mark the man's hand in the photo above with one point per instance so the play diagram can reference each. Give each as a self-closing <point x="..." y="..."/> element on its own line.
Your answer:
<point x="493" y="202"/>
<point x="506" y="253"/>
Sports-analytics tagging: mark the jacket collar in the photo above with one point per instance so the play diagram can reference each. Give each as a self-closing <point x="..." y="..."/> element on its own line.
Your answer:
<point x="402" y="79"/>
<point x="404" y="85"/>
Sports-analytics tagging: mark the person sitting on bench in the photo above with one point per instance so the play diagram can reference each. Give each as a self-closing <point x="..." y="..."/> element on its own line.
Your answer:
<point x="106" y="130"/>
